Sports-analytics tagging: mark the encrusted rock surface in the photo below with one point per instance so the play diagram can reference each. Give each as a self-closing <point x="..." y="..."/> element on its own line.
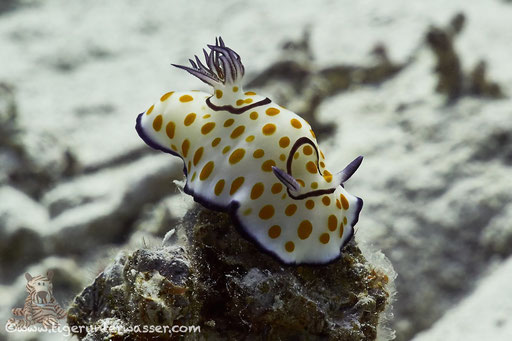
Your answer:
<point x="207" y="274"/>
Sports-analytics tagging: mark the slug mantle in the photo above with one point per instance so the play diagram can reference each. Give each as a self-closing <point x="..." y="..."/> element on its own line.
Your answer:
<point x="261" y="163"/>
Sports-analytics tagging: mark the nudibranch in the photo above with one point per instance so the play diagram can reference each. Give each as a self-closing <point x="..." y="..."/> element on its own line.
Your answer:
<point x="261" y="163"/>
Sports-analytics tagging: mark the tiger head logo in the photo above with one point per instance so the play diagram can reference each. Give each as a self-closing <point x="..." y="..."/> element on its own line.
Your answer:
<point x="40" y="288"/>
<point x="40" y="305"/>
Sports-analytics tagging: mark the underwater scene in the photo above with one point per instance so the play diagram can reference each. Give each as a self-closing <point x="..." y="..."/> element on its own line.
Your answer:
<point x="293" y="170"/>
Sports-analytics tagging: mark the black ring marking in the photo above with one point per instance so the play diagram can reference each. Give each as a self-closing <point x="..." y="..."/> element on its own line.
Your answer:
<point x="316" y="193"/>
<point x="301" y="141"/>
<point x="297" y="145"/>
<point x="236" y="111"/>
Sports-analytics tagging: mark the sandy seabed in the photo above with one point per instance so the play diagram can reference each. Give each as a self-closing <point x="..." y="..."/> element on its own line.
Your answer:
<point x="435" y="179"/>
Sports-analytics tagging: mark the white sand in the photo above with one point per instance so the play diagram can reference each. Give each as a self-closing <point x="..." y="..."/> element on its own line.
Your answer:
<point x="84" y="70"/>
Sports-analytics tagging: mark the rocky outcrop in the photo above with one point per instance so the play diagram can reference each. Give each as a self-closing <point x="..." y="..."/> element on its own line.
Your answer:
<point x="209" y="276"/>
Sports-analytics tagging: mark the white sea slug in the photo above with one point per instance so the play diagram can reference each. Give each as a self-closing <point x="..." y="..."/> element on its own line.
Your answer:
<point x="245" y="155"/>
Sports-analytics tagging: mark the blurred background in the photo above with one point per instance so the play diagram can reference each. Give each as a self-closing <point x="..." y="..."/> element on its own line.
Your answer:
<point x="421" y="89"/>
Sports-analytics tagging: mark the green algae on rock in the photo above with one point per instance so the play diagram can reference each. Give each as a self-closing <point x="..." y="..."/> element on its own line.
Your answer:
<point x="207" y="275"/>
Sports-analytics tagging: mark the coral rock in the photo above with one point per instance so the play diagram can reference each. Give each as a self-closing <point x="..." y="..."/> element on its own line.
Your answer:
<point x="208" y="275"/>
